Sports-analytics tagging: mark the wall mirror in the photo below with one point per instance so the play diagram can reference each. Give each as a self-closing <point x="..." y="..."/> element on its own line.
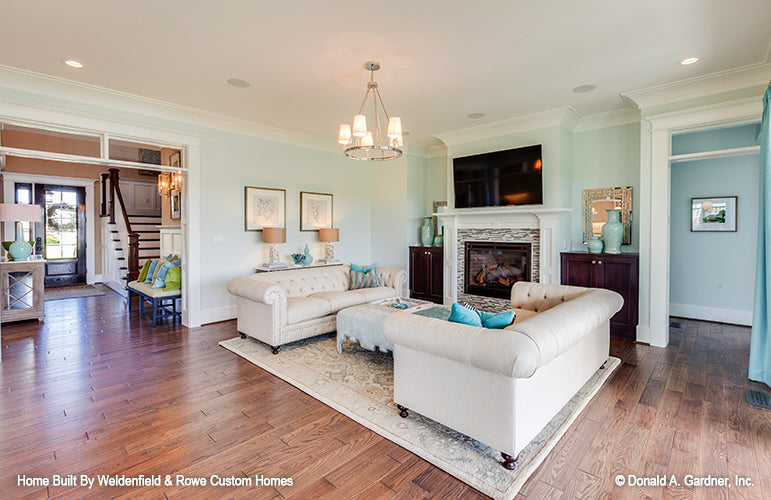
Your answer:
<point x="597" y="201"/>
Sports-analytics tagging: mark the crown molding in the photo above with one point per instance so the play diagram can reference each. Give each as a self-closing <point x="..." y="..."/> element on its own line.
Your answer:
<point x="92" y="95"/>
<point x="698" y="87"/>
<point x="565" y="117"/>
<point x="714" y="115"/>
<point x="607" y="119"/>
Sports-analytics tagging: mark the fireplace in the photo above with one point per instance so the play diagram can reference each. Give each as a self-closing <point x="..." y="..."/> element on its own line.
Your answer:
<point x="492" y="268"/>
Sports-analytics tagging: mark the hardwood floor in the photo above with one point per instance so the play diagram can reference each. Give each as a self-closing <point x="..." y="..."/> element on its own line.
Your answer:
<point x="94" y="390"/>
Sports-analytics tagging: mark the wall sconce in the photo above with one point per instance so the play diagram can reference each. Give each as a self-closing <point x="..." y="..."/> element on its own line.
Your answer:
<point x="329" y="235"/>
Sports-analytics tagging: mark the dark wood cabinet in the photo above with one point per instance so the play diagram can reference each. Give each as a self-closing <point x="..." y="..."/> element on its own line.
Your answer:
<point x="427" y="273"/>
<point x="619" y="273"/>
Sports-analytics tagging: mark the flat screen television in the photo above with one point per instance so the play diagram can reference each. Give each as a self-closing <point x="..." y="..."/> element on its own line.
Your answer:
<point x="499" y="179"/>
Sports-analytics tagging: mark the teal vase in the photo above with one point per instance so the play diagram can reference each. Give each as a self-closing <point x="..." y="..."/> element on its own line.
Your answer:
<point x="20" y="249"/>
<point x="595" y="244"/>
<point x="427" y="232"/>
<point x="307" y="257"/>
<point x="613" y="232"/>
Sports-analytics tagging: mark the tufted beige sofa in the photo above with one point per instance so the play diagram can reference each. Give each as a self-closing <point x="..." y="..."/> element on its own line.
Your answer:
<point x="284" y="306"/>
<point x="502" y="387"/>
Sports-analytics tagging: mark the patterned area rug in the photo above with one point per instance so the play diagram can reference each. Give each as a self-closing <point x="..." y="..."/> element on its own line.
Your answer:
<point x="359" y="384"/>
<point x="74" y="291"/>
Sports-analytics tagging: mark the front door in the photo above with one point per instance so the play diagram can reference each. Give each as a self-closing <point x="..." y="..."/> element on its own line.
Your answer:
<point x="63" y="241"/>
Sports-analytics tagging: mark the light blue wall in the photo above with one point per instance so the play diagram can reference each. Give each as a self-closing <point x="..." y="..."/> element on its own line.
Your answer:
<point x="604" y="158"/>
<point x="229" y="162"/>
<point x="714" y="270"/>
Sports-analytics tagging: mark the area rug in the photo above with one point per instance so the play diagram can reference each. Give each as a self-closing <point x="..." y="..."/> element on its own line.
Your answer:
<point x="74" y="291"/>
<point x="359" y="384"/>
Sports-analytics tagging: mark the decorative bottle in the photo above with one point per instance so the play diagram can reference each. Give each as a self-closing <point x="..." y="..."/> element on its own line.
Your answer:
<point x="613" y="232"/>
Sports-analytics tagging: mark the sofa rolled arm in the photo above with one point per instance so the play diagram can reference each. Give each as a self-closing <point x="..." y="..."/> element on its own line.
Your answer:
<point x="258" y="291"/>
<point x="392" y="277"/>
<point x="504" y="352"/>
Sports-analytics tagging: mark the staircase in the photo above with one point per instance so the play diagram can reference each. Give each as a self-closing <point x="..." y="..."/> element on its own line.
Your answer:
<point x="125" y="236"/>
<point x="149" y="242"/>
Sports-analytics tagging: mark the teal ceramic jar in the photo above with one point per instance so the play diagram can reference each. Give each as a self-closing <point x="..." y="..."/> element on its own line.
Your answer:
<point x="427" y="232"/>
<point x="595" y="244"/>
<point x="613" y="232"/>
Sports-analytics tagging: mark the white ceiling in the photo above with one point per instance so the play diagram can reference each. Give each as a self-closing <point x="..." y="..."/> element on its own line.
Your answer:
<point x="441" y="60"/>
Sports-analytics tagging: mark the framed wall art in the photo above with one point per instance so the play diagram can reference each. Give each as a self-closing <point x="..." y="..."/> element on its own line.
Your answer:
<point x="176" y="206"/>
<point x="713" y="214"/>
<point x="315" y="211"/>
<point x="264" y="207"/>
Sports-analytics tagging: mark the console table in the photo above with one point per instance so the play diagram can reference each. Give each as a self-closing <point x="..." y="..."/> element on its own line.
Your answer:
<point x="22" y="292"/>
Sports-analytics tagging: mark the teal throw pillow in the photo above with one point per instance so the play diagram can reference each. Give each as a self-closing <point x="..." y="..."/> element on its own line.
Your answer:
<point x="173" y="279"/>
<point x="151" y="271"/>
<point x="496" y="320"/>
<point x="160" y="278"/>
<point x="460" y="314"/>
<point x="363" y="277"/>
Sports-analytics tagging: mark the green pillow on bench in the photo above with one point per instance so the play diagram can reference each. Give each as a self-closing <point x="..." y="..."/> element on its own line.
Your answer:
<point x="173" y="279"/>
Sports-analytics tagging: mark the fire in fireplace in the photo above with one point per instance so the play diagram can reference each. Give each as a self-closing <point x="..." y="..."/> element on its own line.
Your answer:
<point x="492" y="268"/>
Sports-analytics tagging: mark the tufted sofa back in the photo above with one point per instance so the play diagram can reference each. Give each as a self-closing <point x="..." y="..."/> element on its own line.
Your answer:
<point x="539" y="297"/>
<point x="303" y="282"/>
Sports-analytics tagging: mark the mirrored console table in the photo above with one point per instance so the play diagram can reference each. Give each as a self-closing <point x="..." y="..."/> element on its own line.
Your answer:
<point x="22" y="290"/>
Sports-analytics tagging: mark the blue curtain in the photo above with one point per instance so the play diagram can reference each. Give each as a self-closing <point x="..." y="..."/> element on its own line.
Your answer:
<point x="760" y="345"/>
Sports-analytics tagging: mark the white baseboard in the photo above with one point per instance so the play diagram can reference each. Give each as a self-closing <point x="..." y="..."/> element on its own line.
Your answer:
<point x="731" y="316"/>
<point x="217" y="314"/>
<point x="117" y="287"/>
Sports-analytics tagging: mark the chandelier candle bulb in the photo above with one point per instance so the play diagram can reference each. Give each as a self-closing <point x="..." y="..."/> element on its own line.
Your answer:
<point x="359" y="126"/>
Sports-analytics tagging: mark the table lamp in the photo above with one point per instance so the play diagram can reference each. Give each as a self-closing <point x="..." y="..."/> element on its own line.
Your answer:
<point x="16" y="212"/>
<point x="329" y="235"/>
<point x="274" y="235"/>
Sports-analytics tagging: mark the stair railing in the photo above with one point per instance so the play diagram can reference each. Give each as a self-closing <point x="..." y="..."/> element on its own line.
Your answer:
<point x="133" y="237"/>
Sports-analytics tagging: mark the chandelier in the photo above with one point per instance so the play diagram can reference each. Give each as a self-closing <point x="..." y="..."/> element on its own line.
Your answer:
<point x="168" y="181"/>
<point x="360" y="143"/>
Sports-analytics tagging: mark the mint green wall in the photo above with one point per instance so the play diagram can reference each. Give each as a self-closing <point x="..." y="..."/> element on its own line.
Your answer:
<point x="603" y="158"/>
<point x="714" y="270"/>
<point x="228" y="162"/>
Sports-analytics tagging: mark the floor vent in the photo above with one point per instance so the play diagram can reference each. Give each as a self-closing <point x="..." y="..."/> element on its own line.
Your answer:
<point x="675" y="324"/>
<point x="758" y="398"/>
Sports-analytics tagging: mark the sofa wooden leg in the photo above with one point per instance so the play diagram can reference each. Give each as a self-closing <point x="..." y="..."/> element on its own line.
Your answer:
<point x="509" y="462"/>
<point x="603" y="365"/>
<point x="403" y="411"/>
<point x="276" y="349"/>
<point x="243" y="335"/>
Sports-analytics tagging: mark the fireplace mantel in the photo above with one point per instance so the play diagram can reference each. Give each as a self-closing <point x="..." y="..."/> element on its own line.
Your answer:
<point x="545" y="220"/>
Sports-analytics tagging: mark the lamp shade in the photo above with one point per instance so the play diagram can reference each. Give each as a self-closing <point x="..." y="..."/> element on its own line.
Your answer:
<point x="367" y="140"/>
<point x="14" y="212"/>
<point x="344" y="135"/>
<point x="274" y="235"/>
<point x="394" y="127"/>
<point x="359" y="126"/>
<point x="329" y="234"/>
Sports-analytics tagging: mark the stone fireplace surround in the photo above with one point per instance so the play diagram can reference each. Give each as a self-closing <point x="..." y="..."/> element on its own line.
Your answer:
<point x="538" y="226"/>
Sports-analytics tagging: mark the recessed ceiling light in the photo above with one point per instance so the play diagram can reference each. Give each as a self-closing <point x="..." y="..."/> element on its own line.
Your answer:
<point x="474" y="116"/>
<point x="582" y="89"/>
<point x="689" y="60"/>
<point x="241" y="84"/>
<point x="72" y="63"/>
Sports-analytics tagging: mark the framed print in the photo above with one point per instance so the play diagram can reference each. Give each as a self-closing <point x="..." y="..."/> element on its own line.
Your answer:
<point x="174" y="160"/>
<point x="264" y="207"/>
<point x="713" y="214"/>
<point x="176" y="207"/>
<point x="315" y="211"/>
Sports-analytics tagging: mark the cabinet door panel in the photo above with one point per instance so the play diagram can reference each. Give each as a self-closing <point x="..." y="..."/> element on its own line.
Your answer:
<point x="437" y="276"/>
<point x="419" y="273"/>
<point x="577" y="272"/>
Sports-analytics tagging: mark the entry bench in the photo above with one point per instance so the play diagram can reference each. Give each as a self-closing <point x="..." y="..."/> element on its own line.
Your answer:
<point x="163" y="303"/>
